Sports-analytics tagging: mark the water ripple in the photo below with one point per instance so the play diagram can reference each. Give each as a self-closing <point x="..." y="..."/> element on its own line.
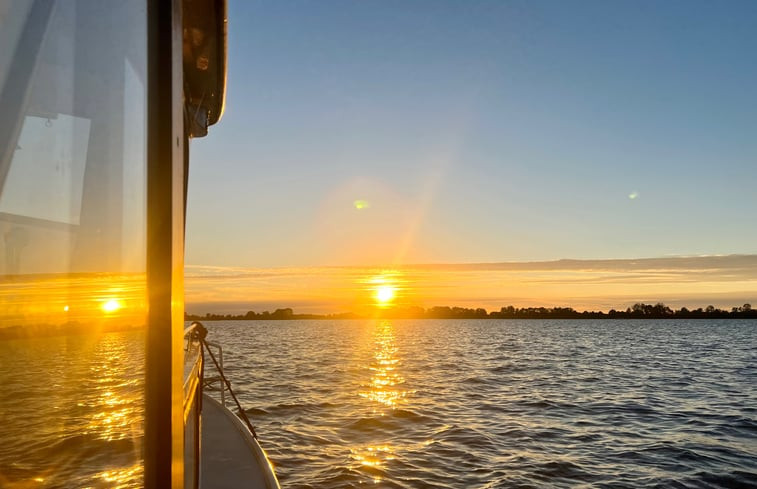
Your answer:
<point x="501" y="403"/>
<point x="415" y="404"/>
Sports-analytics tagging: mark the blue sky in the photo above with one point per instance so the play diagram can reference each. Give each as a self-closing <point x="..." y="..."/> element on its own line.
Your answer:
<point x="479" y="132"/>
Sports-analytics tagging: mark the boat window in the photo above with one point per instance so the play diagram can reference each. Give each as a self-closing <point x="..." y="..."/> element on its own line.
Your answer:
<point x="72" y="242"/>
<point x="45" y="179"/>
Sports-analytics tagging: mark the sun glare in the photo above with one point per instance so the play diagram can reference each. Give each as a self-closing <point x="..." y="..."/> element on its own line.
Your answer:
<point x="111" y="305"/>
<point x="384" y="294"/>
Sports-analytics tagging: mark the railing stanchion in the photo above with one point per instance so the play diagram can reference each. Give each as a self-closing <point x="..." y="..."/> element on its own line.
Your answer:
<point x="223" y="387"/>
<point x="220" y="369"/>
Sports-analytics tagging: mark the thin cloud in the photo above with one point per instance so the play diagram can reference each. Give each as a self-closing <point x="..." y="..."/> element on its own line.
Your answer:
<point x="591" y="284"/>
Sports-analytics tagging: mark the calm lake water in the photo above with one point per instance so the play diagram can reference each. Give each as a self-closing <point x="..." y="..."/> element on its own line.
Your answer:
<point x="426" y="404"/>
<point x="71" y="411"/>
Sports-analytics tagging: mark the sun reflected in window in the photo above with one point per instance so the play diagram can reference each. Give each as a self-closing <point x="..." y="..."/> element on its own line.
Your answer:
<point x="111" y="305"/>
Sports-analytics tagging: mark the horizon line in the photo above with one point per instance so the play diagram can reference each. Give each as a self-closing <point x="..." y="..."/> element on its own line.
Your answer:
<point x="406" y="312"/>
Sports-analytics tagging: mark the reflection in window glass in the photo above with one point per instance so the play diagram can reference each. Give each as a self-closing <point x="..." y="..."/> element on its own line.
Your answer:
<point x="72" y="243"/>
<point x="46" y="177"/>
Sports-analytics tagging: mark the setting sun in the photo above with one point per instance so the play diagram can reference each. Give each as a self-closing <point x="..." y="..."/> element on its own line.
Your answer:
<point x="111" y="305"/>
<point x="384" y="294"/>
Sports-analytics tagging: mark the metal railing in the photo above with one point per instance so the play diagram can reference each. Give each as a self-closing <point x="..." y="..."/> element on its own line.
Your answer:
<point x="195" y="336"/>
<point x="212" y="383"/>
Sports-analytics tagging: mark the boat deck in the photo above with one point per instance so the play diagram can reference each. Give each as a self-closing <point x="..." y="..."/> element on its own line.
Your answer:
<point x="230" y="457"/>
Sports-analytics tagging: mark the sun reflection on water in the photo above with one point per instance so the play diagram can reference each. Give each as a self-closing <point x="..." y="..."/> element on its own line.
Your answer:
<point x="86" y="428"/>
<point x="386" y="382"/>
<point x="116" y="407"/>
<point x="386" y="392"/>
<point x="372" y="456"/>
<point x="123" y="477"/>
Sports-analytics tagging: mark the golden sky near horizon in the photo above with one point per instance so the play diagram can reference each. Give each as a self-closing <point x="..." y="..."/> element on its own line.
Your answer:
<point x="582" y="284"/>
<point x="723" y="281"/>
<point x="94" y="299"/>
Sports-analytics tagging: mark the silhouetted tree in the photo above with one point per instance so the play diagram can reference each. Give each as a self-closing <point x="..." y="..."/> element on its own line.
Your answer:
<point x="638" y="311"/>
<point x="282" y="313"/>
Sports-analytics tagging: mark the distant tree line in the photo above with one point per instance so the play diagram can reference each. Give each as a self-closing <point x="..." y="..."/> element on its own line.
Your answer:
<point x="637" y="311"/>
<point x="278" y="314"/>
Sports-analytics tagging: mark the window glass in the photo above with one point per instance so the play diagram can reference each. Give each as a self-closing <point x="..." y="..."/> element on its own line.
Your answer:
<point x="72" y="242"/>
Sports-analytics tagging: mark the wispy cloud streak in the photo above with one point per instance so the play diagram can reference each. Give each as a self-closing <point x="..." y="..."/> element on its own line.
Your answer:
<point x="591" y="284"/>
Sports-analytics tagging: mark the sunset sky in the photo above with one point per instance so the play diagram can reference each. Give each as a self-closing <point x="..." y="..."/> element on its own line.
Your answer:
<point x="379" y="135"/>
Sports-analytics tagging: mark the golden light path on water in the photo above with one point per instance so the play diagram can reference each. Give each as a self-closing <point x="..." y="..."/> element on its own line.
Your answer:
<point x="86" y="427"/>
<point x="386" y="391"/>
<point x="116" y="409"/>
<point x="386" y="382"/>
